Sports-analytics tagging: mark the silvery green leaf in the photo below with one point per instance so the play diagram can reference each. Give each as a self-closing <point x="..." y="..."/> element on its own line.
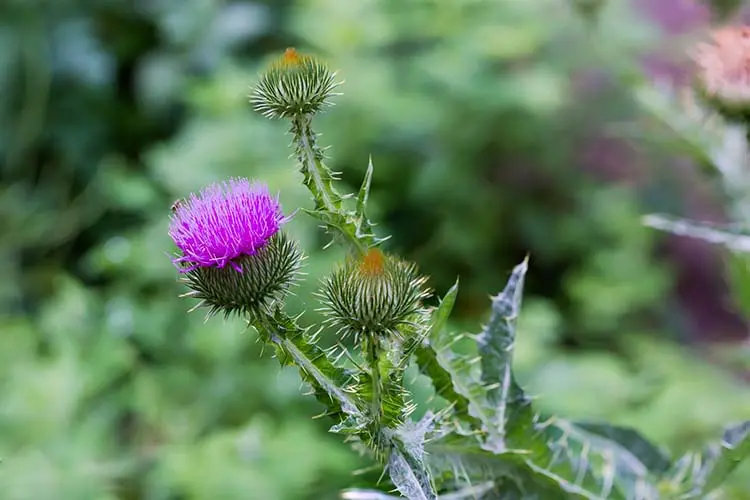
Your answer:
<point x="629" y="441"/>
<point x="720" y="459"/>
<point x="431" y="358"/>
<point x="504" y="397"/>
<point x="732" y="236"/>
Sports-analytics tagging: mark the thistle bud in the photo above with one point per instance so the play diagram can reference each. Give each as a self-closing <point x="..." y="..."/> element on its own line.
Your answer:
<point x="232" y="254"/>
<point x="377" y="294"/>
<point x="723" y="76"/>
<point x="293" y="85"/>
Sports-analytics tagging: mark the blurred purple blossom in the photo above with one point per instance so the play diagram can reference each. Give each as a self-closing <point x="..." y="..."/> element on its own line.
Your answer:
<point x="675" y="16"/>
<point x="223" y="222"/>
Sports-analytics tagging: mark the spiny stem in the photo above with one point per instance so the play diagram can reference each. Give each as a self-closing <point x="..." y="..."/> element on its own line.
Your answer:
<point x="373" y="360"/>
<point x="314" y="365"/>
<point x="318" y="179"/>
<point x="310" y="157"/>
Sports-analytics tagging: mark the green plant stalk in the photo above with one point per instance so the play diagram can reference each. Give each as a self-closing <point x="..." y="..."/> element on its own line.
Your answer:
<point x="317" y="177"/>
<point x="293" y="347"/>
<point x="319" y="181"/>
<point x="372" y="356"/>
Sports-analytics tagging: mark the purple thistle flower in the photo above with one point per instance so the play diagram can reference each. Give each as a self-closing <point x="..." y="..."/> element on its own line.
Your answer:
<point x="223" y="222"/>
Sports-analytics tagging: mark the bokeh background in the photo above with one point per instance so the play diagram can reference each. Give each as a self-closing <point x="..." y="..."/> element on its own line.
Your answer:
<point x="497" y="128"/>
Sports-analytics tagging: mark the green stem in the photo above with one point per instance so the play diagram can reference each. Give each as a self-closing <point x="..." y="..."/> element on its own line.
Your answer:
<point x="372" y="356"/>
<point x="310" y="157"/>
<point x="315" y="367"/>
<point x="319" y="181"/>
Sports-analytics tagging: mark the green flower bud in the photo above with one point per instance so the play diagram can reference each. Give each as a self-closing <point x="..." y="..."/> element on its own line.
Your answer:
<point x="294" y="85"/>
<point x="377" y="294"/>
<point x="252" y="283"/>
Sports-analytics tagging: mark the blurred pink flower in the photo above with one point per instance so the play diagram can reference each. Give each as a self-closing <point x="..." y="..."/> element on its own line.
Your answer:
<point x="724" y="65"/>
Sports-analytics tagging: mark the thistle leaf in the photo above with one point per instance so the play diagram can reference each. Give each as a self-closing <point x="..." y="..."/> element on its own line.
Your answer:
<point x="410" y="476"/>
<point x="556" y="458"/>
<point x="598" y="465"/>
<point x="364" y="191"/>
<point x="559" y="461"/>
<point x="294" y="346"/>
<point x="719" y="460"/>
<point x="459" y="460"/>
<point x="504" y="397"/>
<point x="456" y="377"/>
<point x="392" y="399"/>
<point x="406" y="462"/>
<point x="437" y="366"/>
<point x="631" y="441"/>
<point x="732" y="236"/>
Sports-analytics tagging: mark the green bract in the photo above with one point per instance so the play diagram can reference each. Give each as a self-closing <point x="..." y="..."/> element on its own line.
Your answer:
<point x="264" y="279"/>
<point x="376" y="294"/>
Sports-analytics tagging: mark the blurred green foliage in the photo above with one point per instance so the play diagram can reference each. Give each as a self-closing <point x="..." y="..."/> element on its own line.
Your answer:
<point x="475" y="120"/>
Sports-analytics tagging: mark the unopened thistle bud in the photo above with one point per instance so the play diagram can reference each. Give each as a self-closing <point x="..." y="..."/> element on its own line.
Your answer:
<point x="724" y="70"/>
<point x="377" y="294"/>
<point x="232" y="254"/>
<point x="294" y="85"/>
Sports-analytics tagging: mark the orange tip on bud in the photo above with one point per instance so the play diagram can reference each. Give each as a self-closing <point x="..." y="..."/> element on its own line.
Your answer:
<point x="372" y="263"/>
<point x="291" y="56"/>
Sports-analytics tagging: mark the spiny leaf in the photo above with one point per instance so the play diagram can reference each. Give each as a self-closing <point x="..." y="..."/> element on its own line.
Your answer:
<point x="652" y="457"/>
<point x="406" y="465"/>
<point x="466" y="379"/>
<point x="431" y="364"/>
<point x="410" y="476"/>
<point x="720" y="459"/>
<point x="460" y="460"/>
<point x="568" y="460"/>
<point x="589" y="465"/>
<point x="733" y="236"/>
<point x="496" y="342"/>
<point x="294" y="346"/>
<point x="364" y="191"/>
<point x="393" y="401"/>
<point x="463" y="380"/>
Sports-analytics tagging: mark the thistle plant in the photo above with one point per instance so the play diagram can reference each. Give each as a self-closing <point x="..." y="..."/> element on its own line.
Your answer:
<point x="488" y="441"/>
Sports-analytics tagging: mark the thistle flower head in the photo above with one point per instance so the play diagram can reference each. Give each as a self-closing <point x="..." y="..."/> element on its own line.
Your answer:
<point x="293" y="85"/>
<point x="223" y="222"/>
<point x="724" y="67"/>
<point x="232" y="254"/>
<point x="376" y="294"/>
